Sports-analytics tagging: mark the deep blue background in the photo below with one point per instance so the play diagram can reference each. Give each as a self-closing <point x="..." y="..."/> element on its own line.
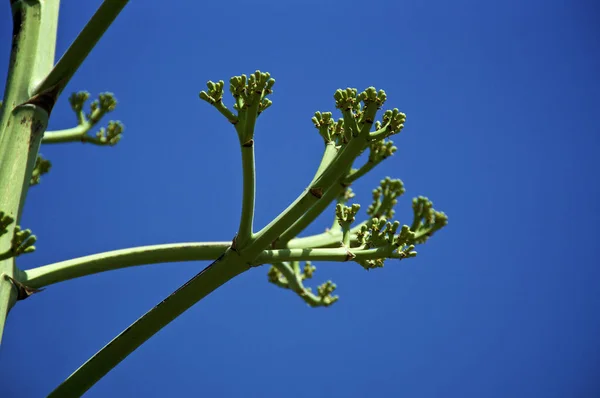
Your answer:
<point x="502" y="101"/>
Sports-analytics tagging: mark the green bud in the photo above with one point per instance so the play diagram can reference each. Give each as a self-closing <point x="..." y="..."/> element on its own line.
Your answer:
<point x="5" y="221"/>
<point x="78" y="99"/>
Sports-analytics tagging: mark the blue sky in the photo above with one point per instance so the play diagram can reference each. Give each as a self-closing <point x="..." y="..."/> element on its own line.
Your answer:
<point x="502" y="133"/>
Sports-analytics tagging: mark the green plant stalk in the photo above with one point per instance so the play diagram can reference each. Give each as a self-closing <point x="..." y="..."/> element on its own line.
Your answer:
<point x="116" y="259"/>
<point x="167" y="253"/>
<point x="322" y="240"/>
<point x="328" y="156"/>
<point x="23" y="120"/>
<point x="145" y="255"/>
<point x="75" y="134"/>
<point x="216" y="274"/>
<point x="334" y="255"/>
<point x="251" y="114"/>
<point x="245" y="232"/>
<point x="78" y="51"/>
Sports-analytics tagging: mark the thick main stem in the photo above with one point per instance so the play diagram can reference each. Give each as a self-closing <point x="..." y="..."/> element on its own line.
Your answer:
<point x="23" y="120"/>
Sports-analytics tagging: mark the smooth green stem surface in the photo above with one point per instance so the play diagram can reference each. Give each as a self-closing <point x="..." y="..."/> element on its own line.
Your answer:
<point x="72" y="59"/>
<point x="216" y="274"/>
<point x="380" y="134"/>
<point x="75" y="134"/>
<point x="336" y="255"/>
<point x="251" y="113"/>
<point x="220" y="106"/>
<point x="328" y="155"/>
<point x="245" y="231"/>
<point x="325" y="239"/>
<point x="101" y="262"/>
<point x="21" y="124"/>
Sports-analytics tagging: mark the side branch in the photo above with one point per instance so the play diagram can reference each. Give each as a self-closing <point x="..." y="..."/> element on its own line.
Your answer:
<point x="245" y="232"/>
<point x="323" y="240"/>
<point x="101" y="262"/>
<point x="66" y="67"/>
<point x="109" y="136"/>
<point x="341" y="254"/>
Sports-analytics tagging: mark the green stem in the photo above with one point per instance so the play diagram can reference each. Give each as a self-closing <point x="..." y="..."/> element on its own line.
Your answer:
<point x="346" y="236"/>
<point x="68" y="64"/>
<point x="251" y="113"/>
<point x="245" y="232"/>
<point x="75" y="134"/>
<point x="216" y="274"/>
<point x="350" y="124"/>
<point x="220" y="106"/>
<point x="325" y="239"/>
<point x="328" y="155"/>
<point x="380" y="134"/>
<point x="337" y="255"/>
<point x="22" y="122"/>
<point x="116" y="259"/>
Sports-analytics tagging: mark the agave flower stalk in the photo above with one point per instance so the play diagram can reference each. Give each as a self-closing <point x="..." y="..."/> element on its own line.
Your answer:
<point x="34" y="84"/>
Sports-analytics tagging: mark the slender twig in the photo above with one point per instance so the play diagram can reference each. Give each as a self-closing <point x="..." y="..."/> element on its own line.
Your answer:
<point x="22" y="122"/>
